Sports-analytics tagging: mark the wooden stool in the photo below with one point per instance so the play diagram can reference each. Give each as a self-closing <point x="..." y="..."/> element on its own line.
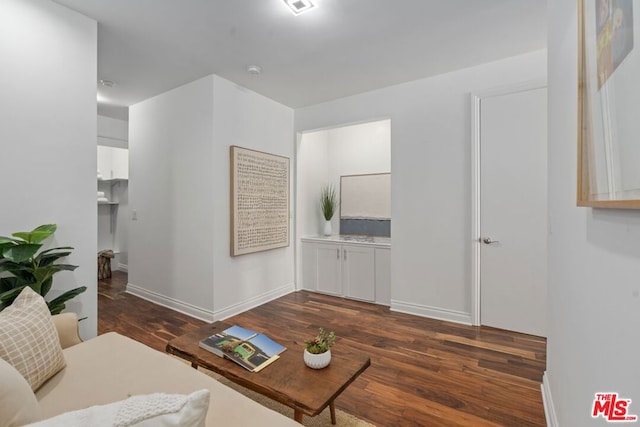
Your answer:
<point x="104" y="264"/>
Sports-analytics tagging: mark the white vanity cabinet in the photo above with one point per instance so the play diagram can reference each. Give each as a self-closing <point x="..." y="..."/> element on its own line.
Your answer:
<point x="339" y="267"/>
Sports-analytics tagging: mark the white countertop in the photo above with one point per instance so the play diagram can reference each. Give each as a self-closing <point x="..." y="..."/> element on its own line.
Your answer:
<point x="351" y="239"/>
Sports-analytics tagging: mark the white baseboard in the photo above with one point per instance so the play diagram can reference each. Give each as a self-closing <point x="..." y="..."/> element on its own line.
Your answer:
<point x="172" y="303"/>
<point x="547" y="401"/>
<point x="431" y="312"/>
<point x="243" y="306"/>
<point x="123" y="267"/>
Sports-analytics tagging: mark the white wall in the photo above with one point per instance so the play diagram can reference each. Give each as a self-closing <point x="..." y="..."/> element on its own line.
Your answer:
<point x="356" y="150"/>
<point x="312" y="164"/>
<point x="430" y="163"/>
<point x="594" y="260"/>
<point x="171" y="189"/>
<point x="244" y="118"/>
<point x="47" y="134"/>
<point x="179" y="187"/>
<point x="113" y="132"/>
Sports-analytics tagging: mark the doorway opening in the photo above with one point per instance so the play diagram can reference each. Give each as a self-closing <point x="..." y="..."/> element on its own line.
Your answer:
<point x="325" y="156"/>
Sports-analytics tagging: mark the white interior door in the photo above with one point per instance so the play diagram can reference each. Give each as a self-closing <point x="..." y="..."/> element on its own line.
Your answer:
<point x="513" y="211"/>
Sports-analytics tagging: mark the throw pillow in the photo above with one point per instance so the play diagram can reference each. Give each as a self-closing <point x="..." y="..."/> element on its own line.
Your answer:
<point x="29" y="340"/>
<point x="152" y="410"/>
<point x="18" y="404"/>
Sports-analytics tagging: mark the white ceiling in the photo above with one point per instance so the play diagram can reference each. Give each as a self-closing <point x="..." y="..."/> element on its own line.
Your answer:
<point x="340" y="48"/>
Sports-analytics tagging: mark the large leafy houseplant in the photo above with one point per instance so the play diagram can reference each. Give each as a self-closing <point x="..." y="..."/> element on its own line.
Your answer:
<point x="21" y="265"/>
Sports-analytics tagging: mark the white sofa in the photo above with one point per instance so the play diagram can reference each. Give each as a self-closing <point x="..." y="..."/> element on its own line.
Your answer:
<point x="112" y="367"/>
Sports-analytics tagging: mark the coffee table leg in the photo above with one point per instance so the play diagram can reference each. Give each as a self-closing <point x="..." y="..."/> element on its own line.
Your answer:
<point x="332" y="408"/>
<point x="297" y="415"/>
<point x="194" y="365"/>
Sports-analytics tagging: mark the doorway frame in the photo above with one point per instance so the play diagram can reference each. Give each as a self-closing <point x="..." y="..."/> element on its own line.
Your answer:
<point x="476" y="110"/>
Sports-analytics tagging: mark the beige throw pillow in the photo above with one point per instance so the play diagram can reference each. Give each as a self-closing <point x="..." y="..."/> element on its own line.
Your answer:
<point x="18" y="404"/>
<point x="29" y="340"/>
<point x="151" y="410"/>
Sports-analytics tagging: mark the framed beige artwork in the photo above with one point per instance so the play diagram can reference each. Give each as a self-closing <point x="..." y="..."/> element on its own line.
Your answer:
<point x="608" y="94"/>
<point x="259" y="201"/>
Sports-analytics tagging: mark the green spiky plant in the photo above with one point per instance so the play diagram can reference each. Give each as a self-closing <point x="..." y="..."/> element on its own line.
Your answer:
<point x="321" y="343"/>
<point x="21" y="265"/>
<point x="328" y="201"/>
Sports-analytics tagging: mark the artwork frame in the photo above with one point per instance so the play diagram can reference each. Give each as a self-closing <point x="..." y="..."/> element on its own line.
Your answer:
<point x="260" y="201"/>
<point x="607" y="86"/>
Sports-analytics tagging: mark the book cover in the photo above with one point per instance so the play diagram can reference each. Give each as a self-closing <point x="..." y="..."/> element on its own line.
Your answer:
<point x="247" y="348"/>
<point x="229" y="339"/>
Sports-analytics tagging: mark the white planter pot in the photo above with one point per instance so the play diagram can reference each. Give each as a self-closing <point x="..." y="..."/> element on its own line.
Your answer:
<point x="327" y="228"/>
<point x="317" y="361"/>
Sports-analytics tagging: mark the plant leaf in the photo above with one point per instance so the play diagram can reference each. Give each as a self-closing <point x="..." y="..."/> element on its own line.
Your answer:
<point x="11" y="267"/>
<point x="4" y="240"/>
<point x="22" y="252"/>
<point x="63" y="267"/>
<point x="9" y="283"/>
<point x="50" y="258"/>
<point x="62" y="248"/>
<point x="45" y="287"/>
<point x="48" y="228"/>
<point x="8" y="296"/>
<point x="58" y="304"/>
<point x="37" y="235"/>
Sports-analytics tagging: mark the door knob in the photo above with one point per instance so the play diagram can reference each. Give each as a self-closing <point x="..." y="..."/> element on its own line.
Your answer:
<point x="488" y="241"/>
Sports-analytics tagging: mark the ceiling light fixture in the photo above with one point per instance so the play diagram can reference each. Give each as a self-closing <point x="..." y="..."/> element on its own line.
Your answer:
<point x="107" y="83"/>
<point x="299" y="6"/>
<point x="254" y="69"/>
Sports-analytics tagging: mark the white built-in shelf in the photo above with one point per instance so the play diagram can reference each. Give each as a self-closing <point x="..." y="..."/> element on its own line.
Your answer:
<point x="113" y="180"/>
<point x="108" y="203"/>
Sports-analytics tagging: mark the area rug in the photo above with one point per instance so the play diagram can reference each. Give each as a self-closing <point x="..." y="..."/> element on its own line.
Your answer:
<point x="322" y="420"/>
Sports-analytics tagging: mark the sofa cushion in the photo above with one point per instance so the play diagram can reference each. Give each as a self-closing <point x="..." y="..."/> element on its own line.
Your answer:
<point x="18" y="404"/>
<point x="29" y="340"/>
<point x="151" y="410"/>
<point x="112" y="367"/>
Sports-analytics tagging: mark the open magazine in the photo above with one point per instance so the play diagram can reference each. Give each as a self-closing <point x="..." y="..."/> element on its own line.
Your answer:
<point x="249" y="349"/>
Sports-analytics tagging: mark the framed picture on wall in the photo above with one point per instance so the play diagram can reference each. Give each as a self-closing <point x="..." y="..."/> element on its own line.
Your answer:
<point x="608" y="94"/>
<point x="259" y="201"/>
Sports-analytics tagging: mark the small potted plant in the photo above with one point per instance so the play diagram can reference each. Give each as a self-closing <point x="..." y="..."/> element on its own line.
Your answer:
<point x="317" y="354"/>
<point x="329" y="204"/>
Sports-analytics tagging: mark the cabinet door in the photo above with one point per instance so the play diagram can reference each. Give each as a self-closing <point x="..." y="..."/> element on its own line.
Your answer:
<point x="358" y="272"/>
<point x="328" y="269"/>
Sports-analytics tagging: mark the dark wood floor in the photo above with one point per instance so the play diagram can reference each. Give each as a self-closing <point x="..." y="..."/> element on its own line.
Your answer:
<point x="423" y="372"/>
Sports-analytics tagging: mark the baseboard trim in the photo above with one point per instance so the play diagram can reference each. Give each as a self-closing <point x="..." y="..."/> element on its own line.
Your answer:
<point x="431" y="312"/>
<point x="253" y="302"/>
<point x="547" y="401"/>
<point x="172" y="303"/>
<point x="123" y="267"/>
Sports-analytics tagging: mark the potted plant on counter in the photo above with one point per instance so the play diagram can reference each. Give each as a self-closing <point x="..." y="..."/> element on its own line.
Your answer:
<point x="329" y="204"/>
<point x="317" y="352"/>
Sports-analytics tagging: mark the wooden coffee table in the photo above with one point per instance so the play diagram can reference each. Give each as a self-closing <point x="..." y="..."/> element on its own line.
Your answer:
<point x="288" y="380"/>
